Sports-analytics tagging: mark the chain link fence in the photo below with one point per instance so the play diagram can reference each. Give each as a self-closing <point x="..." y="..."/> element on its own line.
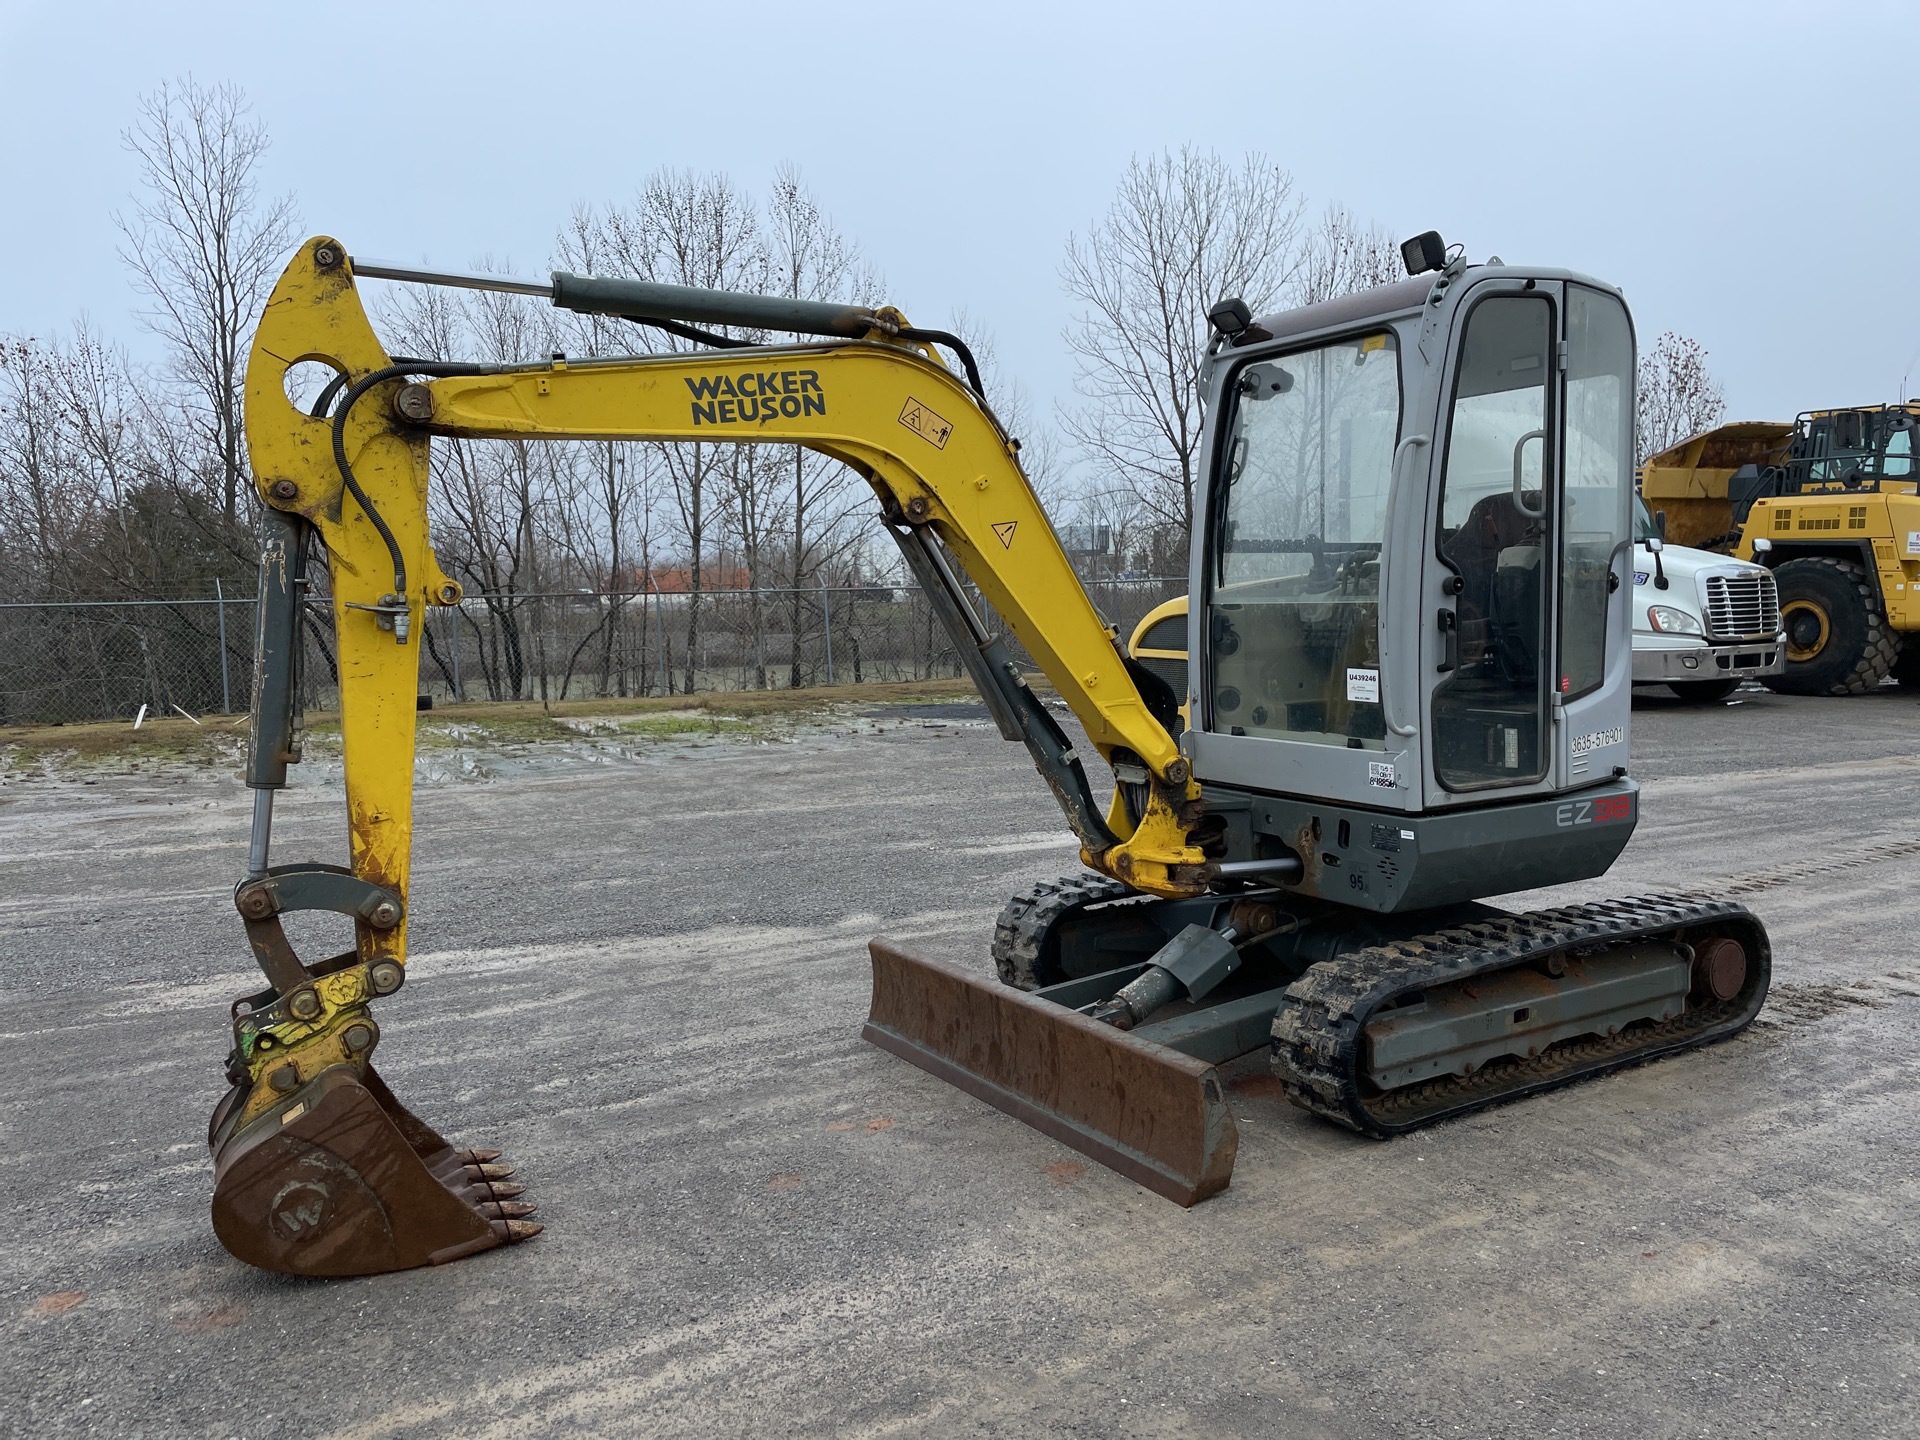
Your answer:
<point x="65" y="663"/>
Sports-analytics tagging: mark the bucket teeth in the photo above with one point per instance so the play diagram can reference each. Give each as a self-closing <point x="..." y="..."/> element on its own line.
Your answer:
<point x="493" y="1190"/>
<point x="476" y="1157"/>
<point x="514" y="1231"/>
<point x="487" y="1172"/>
<point x="506" y="1209"/>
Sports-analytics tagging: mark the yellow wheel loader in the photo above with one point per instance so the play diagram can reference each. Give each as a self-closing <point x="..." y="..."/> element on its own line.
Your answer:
<point x="1408" y="690"/>
<point x="1829" y="504"/>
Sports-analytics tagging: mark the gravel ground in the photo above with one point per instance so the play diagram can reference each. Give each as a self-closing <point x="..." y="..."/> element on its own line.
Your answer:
<point x="640" y="970"/>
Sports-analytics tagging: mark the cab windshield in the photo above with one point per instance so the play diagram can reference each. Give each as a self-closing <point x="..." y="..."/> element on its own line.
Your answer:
<point x="1643" y="526"/>
<point x="1306" y="466"/>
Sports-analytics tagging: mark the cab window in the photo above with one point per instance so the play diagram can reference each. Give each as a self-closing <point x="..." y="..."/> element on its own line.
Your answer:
<point x="1294" y="623"/>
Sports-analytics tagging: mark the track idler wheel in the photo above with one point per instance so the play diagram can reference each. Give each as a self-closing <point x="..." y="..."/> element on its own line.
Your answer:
<point x="339" y="1178"/>
<point x="1719" y="970"/>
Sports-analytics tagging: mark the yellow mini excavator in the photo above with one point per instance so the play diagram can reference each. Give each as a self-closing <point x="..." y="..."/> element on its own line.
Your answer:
<point x="1408" y="690"/>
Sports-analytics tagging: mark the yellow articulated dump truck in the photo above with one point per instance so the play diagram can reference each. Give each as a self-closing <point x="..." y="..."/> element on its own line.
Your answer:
<point x="1829" y="504"/>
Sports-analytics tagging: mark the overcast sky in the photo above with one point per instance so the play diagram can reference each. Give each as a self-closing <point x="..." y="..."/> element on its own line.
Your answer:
<point x="1742" y="170"/>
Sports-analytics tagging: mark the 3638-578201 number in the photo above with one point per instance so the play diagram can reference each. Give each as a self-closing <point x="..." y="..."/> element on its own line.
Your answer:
<point x="1598" y="811"/>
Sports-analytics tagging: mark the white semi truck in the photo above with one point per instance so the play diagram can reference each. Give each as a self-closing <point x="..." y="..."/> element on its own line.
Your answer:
<point x="1702" y="622"/>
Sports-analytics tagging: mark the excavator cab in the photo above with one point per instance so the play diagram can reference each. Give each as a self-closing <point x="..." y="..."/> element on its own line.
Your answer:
<point x="1411" y="582"/>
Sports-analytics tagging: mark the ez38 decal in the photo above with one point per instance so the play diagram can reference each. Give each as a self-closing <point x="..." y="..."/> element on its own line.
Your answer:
<point x="1601" y="811"/>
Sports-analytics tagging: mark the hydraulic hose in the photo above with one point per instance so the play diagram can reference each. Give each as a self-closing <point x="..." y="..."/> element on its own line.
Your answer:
<point x="689" y="332"/>
<point x="953" y="343"/>
<point x="354" y="392"/>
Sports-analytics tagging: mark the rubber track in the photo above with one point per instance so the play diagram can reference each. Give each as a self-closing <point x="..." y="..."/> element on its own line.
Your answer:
<point x="1020" y="934"/>
<point x="1318" y="1028"/>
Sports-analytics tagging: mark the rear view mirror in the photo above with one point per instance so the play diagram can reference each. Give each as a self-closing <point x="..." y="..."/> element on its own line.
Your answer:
<point x="1660" y="523"/>
<point x="1263" y="382"/>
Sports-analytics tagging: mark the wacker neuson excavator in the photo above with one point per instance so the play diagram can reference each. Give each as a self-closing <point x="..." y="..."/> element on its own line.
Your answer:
<point x="1408" y="690"/>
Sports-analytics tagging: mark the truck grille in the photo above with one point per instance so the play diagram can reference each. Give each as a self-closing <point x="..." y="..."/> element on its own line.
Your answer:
<point x="1742" y="607"/>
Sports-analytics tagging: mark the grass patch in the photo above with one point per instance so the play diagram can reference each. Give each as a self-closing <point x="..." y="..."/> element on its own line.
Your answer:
<point x="733" y="714"/>
<point x="171" y="739"/>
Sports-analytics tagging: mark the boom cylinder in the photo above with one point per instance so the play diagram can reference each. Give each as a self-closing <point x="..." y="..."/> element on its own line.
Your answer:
<point x="648" y="300"/>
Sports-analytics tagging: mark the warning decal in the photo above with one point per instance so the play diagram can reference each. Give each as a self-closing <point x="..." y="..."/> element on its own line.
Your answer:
<point x="1004" y="529"/>
<point x="924" y="423"/>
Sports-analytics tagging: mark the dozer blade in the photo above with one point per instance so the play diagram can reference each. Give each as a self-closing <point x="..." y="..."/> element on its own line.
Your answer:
<point x="339" y="1178"/>
<point x="1155" y="1115"/>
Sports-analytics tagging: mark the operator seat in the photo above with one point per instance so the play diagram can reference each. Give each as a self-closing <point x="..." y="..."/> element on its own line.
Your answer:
<point x="1497" y="552"/>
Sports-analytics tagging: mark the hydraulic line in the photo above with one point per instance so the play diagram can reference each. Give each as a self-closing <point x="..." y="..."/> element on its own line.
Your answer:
<point x="359" y="388"/>
<point x="689" y="332"/>
<point x="953" y="343"/>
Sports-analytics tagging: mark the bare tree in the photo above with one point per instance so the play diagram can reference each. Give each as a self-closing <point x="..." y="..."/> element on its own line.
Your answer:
<point x="808" y="259"/>
<point x="1676" y="396"/>
<point x="1183" y="231"/>
<point x="78" y="455"/>
<point x="42" y="502"/>
<point x="1340" y="257"/>
<point x="205" y="247"/>
<point x="688" y="229"/>
<point x="622" y="495"/>
<point x="494" y="503"/>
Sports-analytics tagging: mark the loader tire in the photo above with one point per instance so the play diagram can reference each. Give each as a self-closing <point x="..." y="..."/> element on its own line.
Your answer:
<point x="1838" y="639"/>
<point x="1906" y="669"/>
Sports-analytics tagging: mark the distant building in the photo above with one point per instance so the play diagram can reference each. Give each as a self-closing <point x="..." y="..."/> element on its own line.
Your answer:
<point x="680" y="581"/>
<point x="1085" y="541"/>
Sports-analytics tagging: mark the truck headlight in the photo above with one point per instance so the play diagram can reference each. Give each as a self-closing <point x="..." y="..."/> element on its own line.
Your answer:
<point x="1669" y="621"/>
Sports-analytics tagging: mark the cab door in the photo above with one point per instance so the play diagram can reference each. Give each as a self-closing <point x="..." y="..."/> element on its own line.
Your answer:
<point x="1529" y="652"/>
<point x="1493" y="559"/>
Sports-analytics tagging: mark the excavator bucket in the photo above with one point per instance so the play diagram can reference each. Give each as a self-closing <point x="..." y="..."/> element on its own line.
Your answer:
<point x="339" y="1178"/>
<point x="1154" y="1114"/>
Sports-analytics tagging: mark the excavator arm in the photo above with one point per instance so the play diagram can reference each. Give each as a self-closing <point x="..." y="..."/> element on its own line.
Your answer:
<point x="319" y="1170"/>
